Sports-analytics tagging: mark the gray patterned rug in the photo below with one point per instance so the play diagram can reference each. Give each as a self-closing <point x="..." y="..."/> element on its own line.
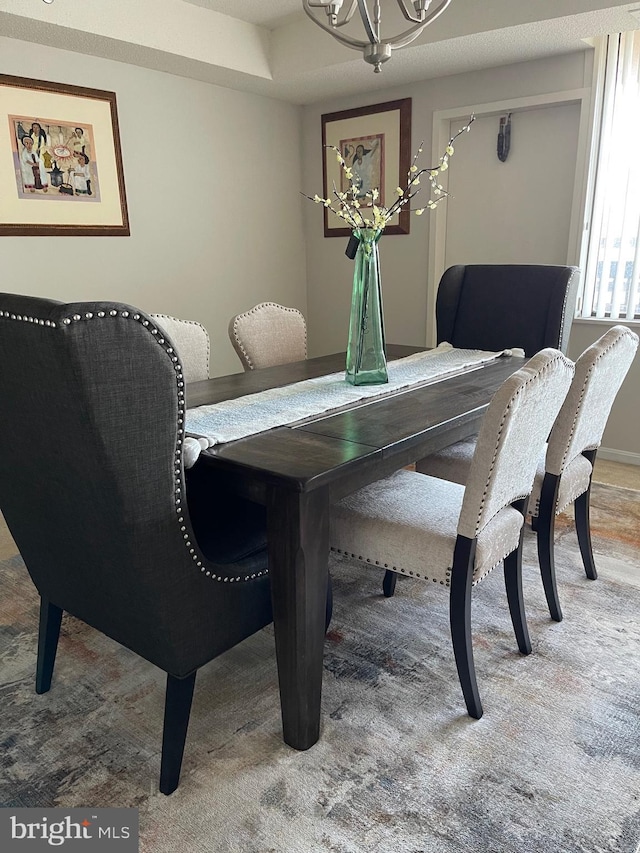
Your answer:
<point x="553" y="766"/>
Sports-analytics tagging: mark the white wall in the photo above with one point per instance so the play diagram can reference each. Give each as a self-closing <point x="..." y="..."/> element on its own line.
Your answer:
<point x="212" y="179"/>
<point x="511" y="212"/>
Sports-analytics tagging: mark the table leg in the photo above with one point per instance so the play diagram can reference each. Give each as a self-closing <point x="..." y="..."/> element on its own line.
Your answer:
<point x="298" y="533"/>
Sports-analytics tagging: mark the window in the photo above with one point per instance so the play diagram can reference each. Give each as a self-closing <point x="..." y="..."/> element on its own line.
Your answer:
<point x="612" y="269"/>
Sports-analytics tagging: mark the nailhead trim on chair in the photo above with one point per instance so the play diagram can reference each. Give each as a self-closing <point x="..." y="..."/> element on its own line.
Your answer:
<point x="559" y="509"/>
<point x="536" y="510"/>
<point x="35" y="320"/>
<point x="397" y="569"/>
<point x="255" y="310"/>
<point x="477" y="580"/>
<point x="402" y="571"/>
<point x="197" y="557"/>
<point x="564" y="304"/>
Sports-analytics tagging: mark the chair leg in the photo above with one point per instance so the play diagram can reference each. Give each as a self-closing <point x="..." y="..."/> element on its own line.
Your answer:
<point x="460" y="622"/>
<point x="545" y="532"/>
<point x="513" y="584"/>
<point x="48" y="634"/>
<point x="389" y="583"/>
<point x="177" y="708"/>
<point x="583" y="529"/>
<point x="329" y="604"/>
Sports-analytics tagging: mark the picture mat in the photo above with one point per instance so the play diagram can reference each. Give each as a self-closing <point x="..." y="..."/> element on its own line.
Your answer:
<point x="69" y="109"/>
<point x="387" y="123"/>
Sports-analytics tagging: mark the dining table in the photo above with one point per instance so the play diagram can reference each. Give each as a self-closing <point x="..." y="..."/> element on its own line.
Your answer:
<point x="299" y="470"/>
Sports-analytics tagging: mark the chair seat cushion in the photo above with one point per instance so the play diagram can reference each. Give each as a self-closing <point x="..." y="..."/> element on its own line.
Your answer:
<point x="451" y="463"/>
<point x="574" y="480"/>
<point x="408" y="523"/>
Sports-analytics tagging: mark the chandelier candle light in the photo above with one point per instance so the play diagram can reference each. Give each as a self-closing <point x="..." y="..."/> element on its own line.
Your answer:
<point x="366" y="359"/>
<point x="375" y="50"/>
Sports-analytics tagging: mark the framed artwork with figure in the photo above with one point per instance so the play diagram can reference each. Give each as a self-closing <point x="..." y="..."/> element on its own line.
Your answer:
<point x="375" y="142"/>
<point x="60" y="161"/>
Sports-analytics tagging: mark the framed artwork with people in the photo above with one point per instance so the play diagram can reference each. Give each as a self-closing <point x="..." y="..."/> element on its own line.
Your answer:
<point x="375" y="144"/>
<point x="61" y="167"/>
<point x="365" y="156"/>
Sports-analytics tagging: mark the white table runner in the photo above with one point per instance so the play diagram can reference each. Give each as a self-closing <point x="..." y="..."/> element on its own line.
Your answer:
<point x="233" y="419"/>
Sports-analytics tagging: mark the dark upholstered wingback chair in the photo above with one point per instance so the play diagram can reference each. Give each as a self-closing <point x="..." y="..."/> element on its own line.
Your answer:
<point x="92" y="487"/>
<point x="502" y="306"/>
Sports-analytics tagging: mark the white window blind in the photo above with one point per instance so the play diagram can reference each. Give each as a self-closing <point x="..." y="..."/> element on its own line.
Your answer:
<point x="612" y="269"/>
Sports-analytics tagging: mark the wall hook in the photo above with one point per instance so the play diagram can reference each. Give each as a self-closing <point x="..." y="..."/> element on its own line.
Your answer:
<point x="504" y="137"/>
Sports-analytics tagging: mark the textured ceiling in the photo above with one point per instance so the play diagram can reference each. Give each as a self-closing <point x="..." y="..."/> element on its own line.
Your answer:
<point x="267" y="13"/>
<point x="271" y="48"/>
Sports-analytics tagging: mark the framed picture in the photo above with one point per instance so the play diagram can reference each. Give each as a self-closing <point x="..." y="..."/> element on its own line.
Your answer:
<point x="375" y="142"/>
<point x="60" y="161"/>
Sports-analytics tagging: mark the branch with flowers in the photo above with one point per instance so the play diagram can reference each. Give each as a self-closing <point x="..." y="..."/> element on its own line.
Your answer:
<point x="346" y="206"/>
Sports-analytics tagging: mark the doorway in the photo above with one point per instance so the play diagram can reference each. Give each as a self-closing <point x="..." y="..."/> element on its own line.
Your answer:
<point x="527" y="209"/>
<point x="517" y="211"/>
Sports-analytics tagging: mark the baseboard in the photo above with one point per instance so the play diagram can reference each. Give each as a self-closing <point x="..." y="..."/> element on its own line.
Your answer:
<point x="624" y="456"/>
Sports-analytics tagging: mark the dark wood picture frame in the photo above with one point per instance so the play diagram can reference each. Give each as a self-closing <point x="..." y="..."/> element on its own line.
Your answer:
<point x="89" y="206"/>
<point x="389" y="126"/>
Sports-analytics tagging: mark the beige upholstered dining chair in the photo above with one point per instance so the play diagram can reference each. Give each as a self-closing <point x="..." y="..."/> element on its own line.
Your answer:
<point x="269" y="334"/>
<point x="564" y="477"/>
<point x="191" y="340"/>
<point x="564" y="473"/>
<point x="454" y="536"/>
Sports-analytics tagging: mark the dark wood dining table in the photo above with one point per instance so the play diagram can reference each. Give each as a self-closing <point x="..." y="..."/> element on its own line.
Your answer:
<point x="298" y="471"/>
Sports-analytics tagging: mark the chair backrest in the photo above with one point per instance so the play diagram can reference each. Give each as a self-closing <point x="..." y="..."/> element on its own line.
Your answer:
<point x="600" y="371"/>
<point x="191" y="341"/>
<point x="269" y="334"/>
<point x="92" y="483"/>
<point x="503" y="306"/>
<point x="512" y="437"/>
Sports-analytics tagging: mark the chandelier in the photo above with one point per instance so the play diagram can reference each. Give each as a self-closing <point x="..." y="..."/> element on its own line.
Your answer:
<point x="376" y="49"/>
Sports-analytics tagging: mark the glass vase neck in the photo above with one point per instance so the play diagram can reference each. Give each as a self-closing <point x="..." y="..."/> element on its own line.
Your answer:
<point x="367" y="235"/>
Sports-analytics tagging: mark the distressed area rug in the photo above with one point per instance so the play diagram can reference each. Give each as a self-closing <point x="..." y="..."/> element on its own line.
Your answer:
<point x="553" y="766"/>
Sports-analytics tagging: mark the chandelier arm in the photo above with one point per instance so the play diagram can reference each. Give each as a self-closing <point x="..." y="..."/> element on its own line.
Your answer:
<point x="410" y="16"/>
<point x="347" y="41"/>
<point x="374" y="37"/>
<point x="322" y="4"/>
<point x="404" y="39"/>
<point x="349" y="15"/>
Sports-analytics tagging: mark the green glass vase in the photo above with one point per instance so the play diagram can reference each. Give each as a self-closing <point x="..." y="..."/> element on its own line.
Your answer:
<point x="366" y="359"/>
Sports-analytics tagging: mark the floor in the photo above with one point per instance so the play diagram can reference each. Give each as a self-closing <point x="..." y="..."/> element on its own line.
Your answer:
<point x="617" y="474"/>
